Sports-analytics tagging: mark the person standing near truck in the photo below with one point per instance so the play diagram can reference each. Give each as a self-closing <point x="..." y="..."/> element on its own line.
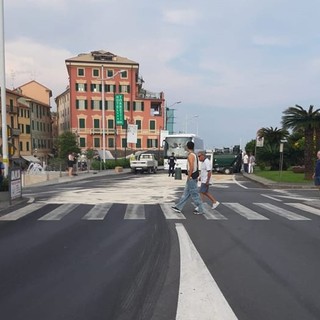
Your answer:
<point x="172" y="162"/>
<point x="205" y="177"/>
<point x="316" y="175"/>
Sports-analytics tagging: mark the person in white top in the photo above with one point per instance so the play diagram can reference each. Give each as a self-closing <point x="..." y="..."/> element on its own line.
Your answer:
<point x="252" y="162"/>
<point x="205" y="176"/>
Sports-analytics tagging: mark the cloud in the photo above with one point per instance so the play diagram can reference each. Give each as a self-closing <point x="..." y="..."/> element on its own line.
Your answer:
<point x="271" y="41"/>
<point x="186" y="17"/>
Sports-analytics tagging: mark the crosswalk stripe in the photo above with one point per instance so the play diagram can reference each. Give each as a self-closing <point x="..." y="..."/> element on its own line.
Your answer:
<point x="17" y="214"/>
<point x="210" y="214"/>
<point x="98" y="212"/>
<point x="59" y="212"/>
<point x="244" y="211"/>
<point x="304" y="207"/>
<point x="169" y="213"/>
<point x="135" y="211"/>
<point x="281" y="212"/>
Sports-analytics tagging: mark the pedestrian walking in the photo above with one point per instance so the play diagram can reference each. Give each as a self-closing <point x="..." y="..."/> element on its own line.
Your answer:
<point x="252" y="163"/>
<point x="245" y="161"/>
<point x="172" y="160"/>
<point x="316" y="175"/>
<point x="1" y="173"/>
<point x="205" y="177"/>
<point x="191" y="189"/>
<point x="70" y="164"/>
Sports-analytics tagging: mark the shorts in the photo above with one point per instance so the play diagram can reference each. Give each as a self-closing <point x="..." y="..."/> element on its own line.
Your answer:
<point x="204" y="188"/>
<point x="317" y="181"/>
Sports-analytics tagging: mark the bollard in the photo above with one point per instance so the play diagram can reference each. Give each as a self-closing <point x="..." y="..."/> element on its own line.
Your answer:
<point x="177" y="174"/>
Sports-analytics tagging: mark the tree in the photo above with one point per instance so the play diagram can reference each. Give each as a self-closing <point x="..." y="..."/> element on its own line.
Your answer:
<point x="298" y="118"/>
<point x="67" y="142"/>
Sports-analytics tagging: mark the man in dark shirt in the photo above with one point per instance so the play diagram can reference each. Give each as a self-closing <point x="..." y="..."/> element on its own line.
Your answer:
<point x="172" y="162"/>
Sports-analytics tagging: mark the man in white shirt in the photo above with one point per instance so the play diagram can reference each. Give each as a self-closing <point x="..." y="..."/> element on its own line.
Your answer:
<point x="205" y="176"/>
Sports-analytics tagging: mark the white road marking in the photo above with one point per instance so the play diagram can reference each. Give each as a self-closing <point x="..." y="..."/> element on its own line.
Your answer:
<point x="199" y="294"/>
<point x="17" y="214"/>
<point x="244" y="211"/>
<point x="270" y="197"/>
<point x="239" y="184"/>
<point x="59" y="212"/>
<point x="98" y="212"/>
<point x="304" y="207"/>
<point x="169" y="213"/>
<point x="211" y="214"/>
<point x="281" y="212"/>
<point x="135" y="212"/>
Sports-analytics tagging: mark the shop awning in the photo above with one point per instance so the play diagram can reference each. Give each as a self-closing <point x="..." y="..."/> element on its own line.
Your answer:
<point x="31" y="159"/>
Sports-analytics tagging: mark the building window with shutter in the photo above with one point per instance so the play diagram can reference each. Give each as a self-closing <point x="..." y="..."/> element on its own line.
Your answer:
<point x="80" y="72"/>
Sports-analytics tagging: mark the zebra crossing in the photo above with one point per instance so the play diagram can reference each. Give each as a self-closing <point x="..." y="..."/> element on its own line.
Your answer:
<point x="225" y="211"/>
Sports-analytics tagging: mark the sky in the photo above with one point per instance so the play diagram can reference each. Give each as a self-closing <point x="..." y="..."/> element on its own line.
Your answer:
<point x="235" y="65"/>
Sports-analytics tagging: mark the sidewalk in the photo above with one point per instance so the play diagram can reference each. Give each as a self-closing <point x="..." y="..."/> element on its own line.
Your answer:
<point x="64" y="179"/>
<point x="278" y="185"/>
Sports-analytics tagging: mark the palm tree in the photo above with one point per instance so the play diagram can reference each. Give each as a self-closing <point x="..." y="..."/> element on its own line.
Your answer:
<point x="273" y="135"/>
<point x="298" y="118"/>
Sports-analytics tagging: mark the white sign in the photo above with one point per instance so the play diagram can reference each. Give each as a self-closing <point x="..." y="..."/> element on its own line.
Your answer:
<point x="132" y="133"/>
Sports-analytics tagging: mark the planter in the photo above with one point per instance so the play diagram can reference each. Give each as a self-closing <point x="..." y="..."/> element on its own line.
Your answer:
<point x="118" y="169"/>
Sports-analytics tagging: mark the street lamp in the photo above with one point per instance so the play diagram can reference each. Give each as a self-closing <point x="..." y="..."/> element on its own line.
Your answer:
<point x="104" y="112"/>
<point x="187" y="119"/>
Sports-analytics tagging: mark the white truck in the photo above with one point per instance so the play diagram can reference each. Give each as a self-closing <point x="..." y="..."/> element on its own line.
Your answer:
<point x="146" y="163"/>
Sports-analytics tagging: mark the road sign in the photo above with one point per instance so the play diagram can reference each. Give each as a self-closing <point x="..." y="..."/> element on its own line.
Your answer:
<point x="119" y="109"/>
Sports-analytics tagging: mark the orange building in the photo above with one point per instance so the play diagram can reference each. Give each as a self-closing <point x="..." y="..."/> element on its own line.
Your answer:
<point x="94" y="80"/>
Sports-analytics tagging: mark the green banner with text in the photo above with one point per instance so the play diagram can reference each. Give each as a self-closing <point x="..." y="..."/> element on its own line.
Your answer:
<point x="119" y="109"/>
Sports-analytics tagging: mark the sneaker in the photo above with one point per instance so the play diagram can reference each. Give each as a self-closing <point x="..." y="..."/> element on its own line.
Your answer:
<point x="196" y="211"/>
<point x="215" y="204"/>
<point x="176" y="209"/>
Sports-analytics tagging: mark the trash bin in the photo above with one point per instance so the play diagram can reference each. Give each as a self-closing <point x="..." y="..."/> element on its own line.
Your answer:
<point x="177" y="174"/>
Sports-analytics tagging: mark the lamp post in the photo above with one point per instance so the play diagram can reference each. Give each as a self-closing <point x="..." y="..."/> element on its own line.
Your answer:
<point x="165" y="115"/>
<point x="187" y="119"/>
<point x="103" y="106"/>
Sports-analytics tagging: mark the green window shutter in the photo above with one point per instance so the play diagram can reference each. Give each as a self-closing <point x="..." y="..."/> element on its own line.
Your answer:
<point x="96" y="123"/>
<point x="77" y="104"/>
<point x="85" y="87"/>
<point x="134" y="106"/>
<point x="92" y="103"/>
<point x="128" y="88"/>
<point x="86" y="104"/>
<point x="142" y="106"/>
<point x="77" y="86"/>
<point x="152" y="125"/>
<point x="100" y="104"/>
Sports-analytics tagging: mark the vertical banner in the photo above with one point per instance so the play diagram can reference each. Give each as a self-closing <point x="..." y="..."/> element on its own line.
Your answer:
<point x="119" y="109"/>
<point x="132" y="133"/>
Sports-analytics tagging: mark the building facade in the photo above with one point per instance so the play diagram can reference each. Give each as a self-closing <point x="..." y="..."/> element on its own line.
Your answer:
<point x="87" y="108"/>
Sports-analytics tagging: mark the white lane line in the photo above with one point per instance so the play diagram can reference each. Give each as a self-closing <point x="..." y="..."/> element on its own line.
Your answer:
<point x="17" y="214"/>
<point x="244" y="211"/>
<point x="211" y="214"/>
<point x="59" y="212"/>
<point x="305" y="208"/>
<point x="98" y="212"/>
<point x="169" y="213"/>
<point x="270" y="197"/>
<point x="281" y="212"/>
<point x="135" y="211"/>
<point x="238" y="183"/>
<point x="199" y="294"/>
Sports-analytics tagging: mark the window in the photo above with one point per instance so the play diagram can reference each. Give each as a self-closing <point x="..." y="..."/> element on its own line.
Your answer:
<point x="110" y="124"/>
<point x="96" y="87"/>
<point x="21" y="146"/>
<point x="28" y="128"/>
<point x="95" y="73"/>
<point x="82" y="142"/>
<point x="96" y="105"/>
<point x="110" y="105"/>
<point x="111" y="142"/>
<point x="152" y="143"/>
<point x="96" y="123"/>
<point x="124" y="75"/>
<point x="111" y="88"/>
<point x="109" y="73"/>
<point x="138" y="144"/>
<point x="82" y="123"/>
<point x="80" y="72"/>
<point x="124" y="88"/>
<point x="81" y="104"/>
<point x="126" y="105"/>
<point x="138" y="123"/>
<point x="28" y="146"/>
<point x="96" y="142"/>
<point x="152" y="125"/>
<point x="81" y="87"/>
<point x="138" y="106"/>
<point x="124" y="142"/>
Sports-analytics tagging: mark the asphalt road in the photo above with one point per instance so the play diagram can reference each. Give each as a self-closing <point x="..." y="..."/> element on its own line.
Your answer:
<point x="111" y="248"/>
